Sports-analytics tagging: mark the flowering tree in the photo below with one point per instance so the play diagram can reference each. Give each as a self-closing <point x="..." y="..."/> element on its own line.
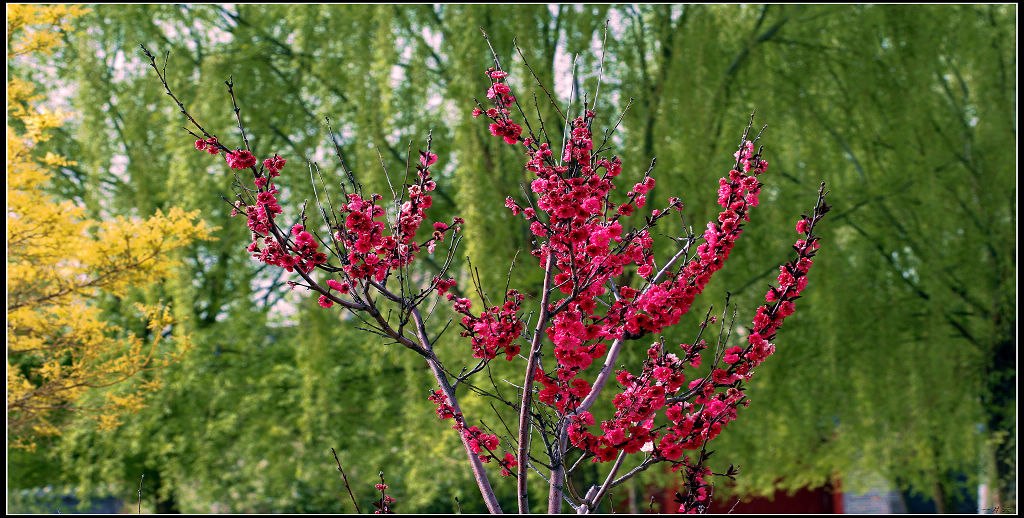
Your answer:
<point x="362" y="254"/>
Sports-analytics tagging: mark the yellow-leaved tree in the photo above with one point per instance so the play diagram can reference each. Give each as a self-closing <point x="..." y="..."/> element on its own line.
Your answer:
<point x="63" y="360"/>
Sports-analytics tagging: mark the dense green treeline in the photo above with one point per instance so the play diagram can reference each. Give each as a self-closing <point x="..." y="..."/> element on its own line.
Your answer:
<point x="899" y="360"/>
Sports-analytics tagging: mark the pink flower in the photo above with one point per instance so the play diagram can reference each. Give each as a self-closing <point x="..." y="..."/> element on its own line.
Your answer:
<point x="427" y="159"/>
<point x="498" y="89"/>
<point x="240" y="159"/>
<point x="507" y="465"/>
<point x="538" y="229"/>
<point x="274" y="165"/>
<point x="732" y="355"/>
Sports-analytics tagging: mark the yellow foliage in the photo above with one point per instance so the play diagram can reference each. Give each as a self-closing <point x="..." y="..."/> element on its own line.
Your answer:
<point x="34" y="28"/>
<point x="59" y="350"/>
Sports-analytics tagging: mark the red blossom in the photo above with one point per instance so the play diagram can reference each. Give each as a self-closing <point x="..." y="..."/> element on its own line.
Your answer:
<point x="274" y="165"/>
<point x="240" y="159"/>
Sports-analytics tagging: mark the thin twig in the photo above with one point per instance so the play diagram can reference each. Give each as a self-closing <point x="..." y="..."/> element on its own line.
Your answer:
<point x="345" y="480"/>
<point x="231" y="90"/>
<point x="572" y="92"/>
<point x="600" y="75"/>
<point x="541" y="84"/>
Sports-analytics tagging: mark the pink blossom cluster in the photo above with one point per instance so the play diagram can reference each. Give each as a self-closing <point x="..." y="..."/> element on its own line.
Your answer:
<point x="209" y="145"/>
<point x="443" y="285"/>
<point x="697" y="498"/>
<point x="384" y="504"/>
<point x="496" y="330"/>
<point x="301" y="251"/>
<point x="582" y="232"/>
<point x="715" y="398"/>
<point x="500" y="93"/>
<point x="642" y="396"/>
<point x="588" y="247"/>
<point x="305" y="249"/>
<point x="240" y="159"/>
<point x="374" y="250"/>
<point x="480" y="443"/>
<point x="792" y="280"/>
<point x="663" y="304"/>
<point x="579" y="230"/>
<point x="274" y="165"/>
<point x="371" y="248"/>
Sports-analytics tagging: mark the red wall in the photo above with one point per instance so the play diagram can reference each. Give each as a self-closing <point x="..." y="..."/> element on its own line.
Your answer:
<point x="804" y="501"/>
<point x="823" y="500"/>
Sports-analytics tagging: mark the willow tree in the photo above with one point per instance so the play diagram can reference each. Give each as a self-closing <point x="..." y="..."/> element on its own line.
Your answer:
<point x="911" y="109"/>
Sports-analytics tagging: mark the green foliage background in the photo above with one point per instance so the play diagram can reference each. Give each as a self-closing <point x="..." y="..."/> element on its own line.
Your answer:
<point x="900" y="360"/>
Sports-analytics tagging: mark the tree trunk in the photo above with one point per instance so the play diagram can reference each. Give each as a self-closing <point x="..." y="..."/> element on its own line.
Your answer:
<point x="999" y="405"/>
